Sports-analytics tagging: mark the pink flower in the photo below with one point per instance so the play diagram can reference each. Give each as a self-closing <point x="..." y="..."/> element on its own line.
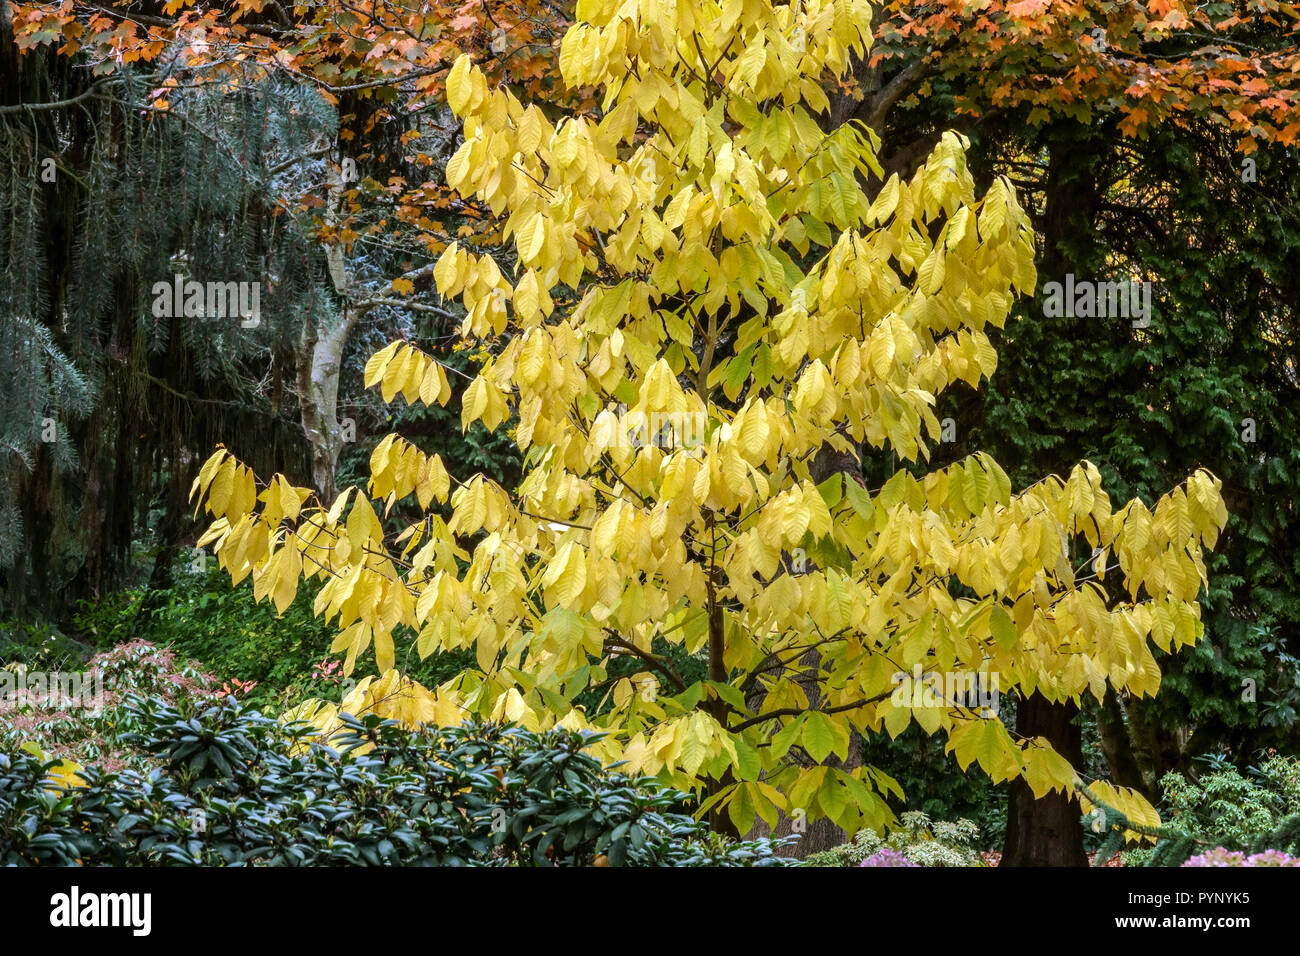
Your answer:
<point x="1221" y="857"/>
<point x="887" y="857"/>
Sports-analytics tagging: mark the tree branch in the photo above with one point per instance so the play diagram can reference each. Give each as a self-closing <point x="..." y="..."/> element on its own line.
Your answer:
<point x="796" y="711"/>
<point x="658" y="663"/>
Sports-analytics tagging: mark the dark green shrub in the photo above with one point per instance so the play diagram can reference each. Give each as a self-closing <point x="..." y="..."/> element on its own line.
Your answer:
<point x="232" y="787"/>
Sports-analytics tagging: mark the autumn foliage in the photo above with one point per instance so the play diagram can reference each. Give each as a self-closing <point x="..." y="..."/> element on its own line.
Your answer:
<point x="702" y="247"/>
<point x="1236" y="63"/>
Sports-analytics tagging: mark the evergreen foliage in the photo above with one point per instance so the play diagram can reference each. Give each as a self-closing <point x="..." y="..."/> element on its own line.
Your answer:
<point x="234" y="788"/>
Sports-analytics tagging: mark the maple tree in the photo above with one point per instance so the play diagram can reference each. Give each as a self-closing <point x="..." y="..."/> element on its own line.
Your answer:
<point x="731" y="267"/>
<point x="337" y="46"/>
<point x="1140" y="64"/>
<point x="382" y="64"/>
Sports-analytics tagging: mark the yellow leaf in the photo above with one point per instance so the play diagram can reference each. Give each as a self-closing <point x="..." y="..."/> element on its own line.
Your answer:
<point x="223" y="484"/>
<point x="566" y="577"/>
<point x="204" y="477"/>
<point x="396" y="373"/>
<point x="458" y="85"/>
<point x="531" y="238"/>
<point x="434" y="386"/>
<point x="474" y="402"/>
<point x="377" y="362"/>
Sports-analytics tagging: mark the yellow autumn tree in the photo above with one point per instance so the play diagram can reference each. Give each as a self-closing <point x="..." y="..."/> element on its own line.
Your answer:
<point x="739" y="308"/>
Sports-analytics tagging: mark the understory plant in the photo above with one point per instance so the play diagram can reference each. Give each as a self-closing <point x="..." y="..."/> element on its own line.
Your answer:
<point x="271" y="658"/>
<point x="918" y="840"/>
<point x="72" y="709"/>
<point x="1226" y="817"/>
<point x="232" y="787"/>
<point x="1222" y="857"/>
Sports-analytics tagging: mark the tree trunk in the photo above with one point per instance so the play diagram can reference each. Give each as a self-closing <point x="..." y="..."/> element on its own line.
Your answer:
<point x="822" y="834"/>
<point x="1046" y="832"/>
<point x="1118" y="748"/>
<point x="818" y="835"/>
<point x="320" y="359"/>
<point x="1157" y="748"/>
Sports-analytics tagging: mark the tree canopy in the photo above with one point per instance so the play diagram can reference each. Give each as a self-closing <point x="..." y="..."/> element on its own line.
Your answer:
<point x="729" y="268"/>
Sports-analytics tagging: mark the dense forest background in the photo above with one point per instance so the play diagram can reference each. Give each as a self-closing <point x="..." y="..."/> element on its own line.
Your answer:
<point x="222" y="142"/>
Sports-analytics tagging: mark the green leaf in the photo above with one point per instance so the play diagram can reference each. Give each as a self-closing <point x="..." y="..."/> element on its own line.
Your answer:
<point x="832" y="798"/>
<point x="786" y="737"/>
<point x="748" y="763"/>
<point x="817" y="230"/>
<point x="819" y="736"/>
<point x="730" y="694"/>
<point x="742" y="809"/>
<point x="737" y="373"/>
<point x="859" y="499"/>
<point x="832" y="489"/>
<point x="1004" y="629"/>
<point x="761" y="370"/>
